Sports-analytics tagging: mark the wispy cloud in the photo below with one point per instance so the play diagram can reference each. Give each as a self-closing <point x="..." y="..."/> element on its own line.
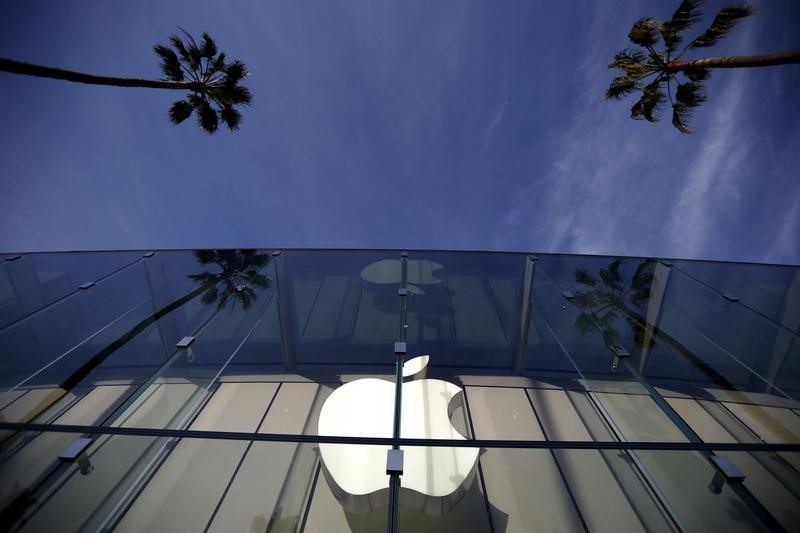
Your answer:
<point x="610" y="185"/>
<point x="498" y="117"/>
<point x="710" y="186"/>
<point x="586" y="189"/>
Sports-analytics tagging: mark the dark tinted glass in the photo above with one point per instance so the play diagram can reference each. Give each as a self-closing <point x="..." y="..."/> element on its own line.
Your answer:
<point x="28" y="282"/>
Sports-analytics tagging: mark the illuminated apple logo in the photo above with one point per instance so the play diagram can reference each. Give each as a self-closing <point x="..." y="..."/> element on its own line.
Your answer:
<point x="434" y="478"/>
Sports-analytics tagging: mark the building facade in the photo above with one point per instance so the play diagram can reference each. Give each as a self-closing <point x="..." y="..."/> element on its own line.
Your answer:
<point x="388" y="390"/>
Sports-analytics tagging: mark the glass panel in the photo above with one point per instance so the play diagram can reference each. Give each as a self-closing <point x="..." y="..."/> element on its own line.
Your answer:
<point x="240" y="296"/>
<point x="67" y="333"/>
<point x="607" y="487"/>
<point x="521" y="490"/>
<point x="332" y="509"/>
<point x="301" y="342"/>
<point x="28" y="457"/>
<point x="31" y="282"/>
<point x="745" y="351"/>
<point x="677" y="332"/>
<point x="463" y="307"/>
<point x="255" y="500"/>
<point x="217" y="296"/>
<point x="772" y="478"/>
<point x="344" y="306"/>
<point x="201" y="468"/>
<point x="771" y="290"/>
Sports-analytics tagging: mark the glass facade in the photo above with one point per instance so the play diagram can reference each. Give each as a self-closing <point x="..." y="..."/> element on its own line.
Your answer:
<point x="286" y="390"/>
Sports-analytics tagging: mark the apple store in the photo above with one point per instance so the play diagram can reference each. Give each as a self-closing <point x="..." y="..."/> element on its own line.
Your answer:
<point x="327" y="391"/>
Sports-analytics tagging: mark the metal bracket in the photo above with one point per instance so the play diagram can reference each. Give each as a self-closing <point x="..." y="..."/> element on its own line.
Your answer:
<point x="619" y="353"/>
<point x="569" y="295"/>
<point x="76" y="452"/>
<point x="726" y="471"/>
<point x="533" y="258"/>
<point x="402" y="292"/>
<point x="403" y="254"/>
<point x="185" y="343"/>
<point x="76" y="447"/>
<point x="400" y="348"/>
<point x="666" y="264"/>
<point x="149" y="254"/>
<point x="730" y="297"/>
<point x="394" y="462"/>
<point x="13" y="258"/>
<point x="87" y="285"/>
<point x="276" y="253"/>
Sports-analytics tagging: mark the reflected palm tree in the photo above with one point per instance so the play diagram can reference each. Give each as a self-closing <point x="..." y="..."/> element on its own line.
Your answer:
<point x="238" y="280"/>
<point x="610" y="297"/>
<point x="240" y="276"/>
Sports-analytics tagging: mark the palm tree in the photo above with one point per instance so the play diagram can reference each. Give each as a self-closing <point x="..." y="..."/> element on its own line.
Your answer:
<point x="241" y="272"/>
<point x="213" y="83"/>
<point x="638" y="65"/>
<point x="610" y="297"/>
<point x="239" y="276"/>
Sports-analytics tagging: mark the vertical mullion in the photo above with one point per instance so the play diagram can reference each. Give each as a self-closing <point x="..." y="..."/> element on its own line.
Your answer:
<point x="521" y="340"/>
<point x="394" y="479"/>
<point x="285" y="311"/>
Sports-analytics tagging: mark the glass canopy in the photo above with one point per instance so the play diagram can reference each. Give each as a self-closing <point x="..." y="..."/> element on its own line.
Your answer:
<point x="262" y="390"/>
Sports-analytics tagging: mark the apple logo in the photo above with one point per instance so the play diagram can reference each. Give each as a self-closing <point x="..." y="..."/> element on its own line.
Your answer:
<point x="434" y="478"/>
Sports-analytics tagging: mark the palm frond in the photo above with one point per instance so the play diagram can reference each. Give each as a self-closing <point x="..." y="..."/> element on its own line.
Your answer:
<point x="238" y="95"/>
<point x="723" y="23"/>
<point x="700" y="74"/>
<point x="260" y="281"/>
<point x="194" y="54"/>
<point x="177" y="43"/>
<point x="180" y="111"/>
<point x="583" y="277"/>
<point x="649" y="104"/>
<point x="627" y="57"/>
<point x="209" y="47"/>
<point x="690" y="94"/>
<point x="205" y="257"/>
<point x="207" y="117"/>
<point x="218" y="64"/>
<point x="170" y="64"/>
<point x="633" y="62"/>
<point x="645" y="32"/>
<point x="681" y="114"/>
<point x="684" y="18"/>
<point x="611" y="276"/>
<point x="584" y="323"/>
<point x="230" y="117"/>
<point x="620" y="87"/>
<point x="235" y="72"/>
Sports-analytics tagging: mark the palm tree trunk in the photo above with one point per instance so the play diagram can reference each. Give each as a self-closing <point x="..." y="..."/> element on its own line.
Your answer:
<point x="78" y="375"/>
<point x="763" y="60"/>
<point x="29" y="69"/>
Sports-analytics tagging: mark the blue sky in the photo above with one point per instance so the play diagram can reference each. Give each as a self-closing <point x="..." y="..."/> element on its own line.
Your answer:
<point x="453" y="124"/>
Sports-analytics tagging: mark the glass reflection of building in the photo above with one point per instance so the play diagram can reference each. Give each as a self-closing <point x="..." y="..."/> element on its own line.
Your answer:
<point x="182" y="391"/>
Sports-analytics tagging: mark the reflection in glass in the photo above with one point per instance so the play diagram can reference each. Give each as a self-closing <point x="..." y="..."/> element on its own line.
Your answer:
<point x="276" y="335"/>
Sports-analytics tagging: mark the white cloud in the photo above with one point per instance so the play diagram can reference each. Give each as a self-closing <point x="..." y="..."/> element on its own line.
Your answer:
<point x="710" y="186"/>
